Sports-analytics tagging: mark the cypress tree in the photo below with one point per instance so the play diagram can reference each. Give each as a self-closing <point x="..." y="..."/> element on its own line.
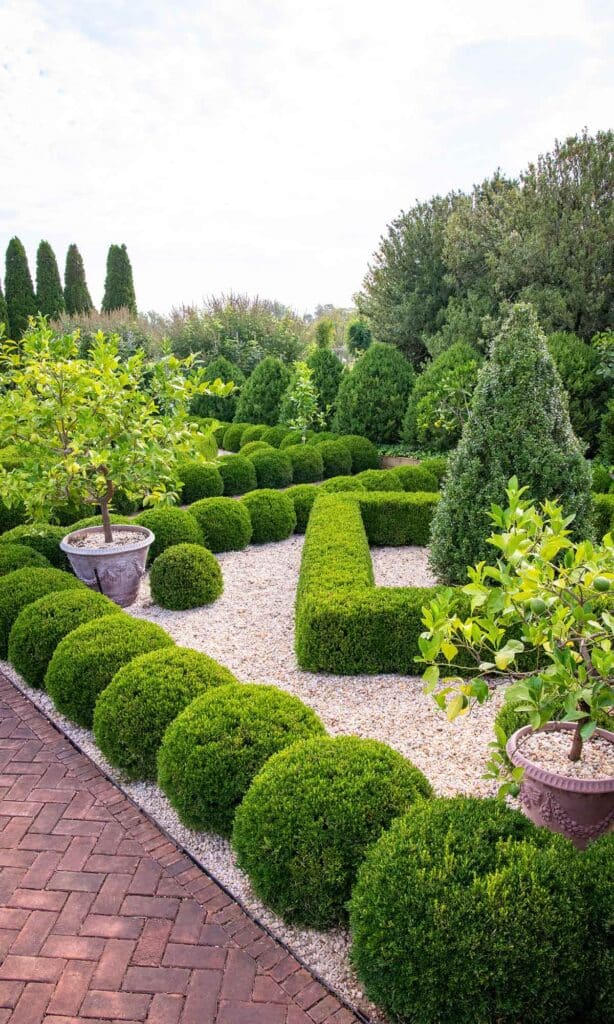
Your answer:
<point x="518" y="426"/>
<point x="49" y="294"/>
<point x="118" y="286"/>
<point x="4" y="313"/>
<point x="20" y="298"/>
<point x="76" y="293"/>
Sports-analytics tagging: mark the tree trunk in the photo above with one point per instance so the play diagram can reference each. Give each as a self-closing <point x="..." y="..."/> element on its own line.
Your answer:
<point x="106" y="521"/>
<point x="576" y="744"/>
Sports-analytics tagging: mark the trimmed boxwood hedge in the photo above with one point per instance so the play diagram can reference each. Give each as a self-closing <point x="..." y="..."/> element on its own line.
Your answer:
<point x="364" y="453"/>
<point x="238" y="474"/>
<point x="185" y="576"/>
<point x="232" y="437"/>
<point x="465" y="911"/>
<point x="253" y="433"/>
<point x="307" y="464"/>
<point x="144" y="697"/>
<point x="19" y="556"/>
<point x="275" y="435"/>
<point x="341" y="483"/>
<point x="256" y="446"/>
<point x="225" y="523"/>
<point x="272" y="515"/>
<point x="40" y="626"/>
<point x="336" y="457"/>
<point x="309" y="817"/>
<point x="23" y="586"/>
<point x="170" y="526"/>
<point x="43" y="537"/>
<point x="273" y="468"/>
<point x="199" y="480"/>
<point x="603" y="515"/>
<point x="213" y="750"/>
<point x="416" y="478"/>
<point x="437" y="465"/>
<point x="86" y="660"/>
<point x="380" y="480"/>
<point x="303" y="497"/>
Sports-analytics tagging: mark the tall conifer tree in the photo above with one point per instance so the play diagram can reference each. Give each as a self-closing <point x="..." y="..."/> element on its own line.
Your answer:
<point x="76" y="293"/>
<point x="49" y="294"/>
<point x="20" y="297"/>
<point x="118" y="286"/>
<point x="4" y="313"/>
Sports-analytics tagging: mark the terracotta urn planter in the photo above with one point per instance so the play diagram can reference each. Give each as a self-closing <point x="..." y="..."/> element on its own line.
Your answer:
<point x="114" y="571"/>
<point x="581" y="809"/>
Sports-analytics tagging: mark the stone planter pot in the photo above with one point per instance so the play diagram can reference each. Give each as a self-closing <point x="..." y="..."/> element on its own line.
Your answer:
<point x="581" y="809"/>
<point x="392" y="461"/>
<point x="115" y="572"/>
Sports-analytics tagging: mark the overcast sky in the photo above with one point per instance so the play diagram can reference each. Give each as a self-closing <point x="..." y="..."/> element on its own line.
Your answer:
<point x="263" y="145"/>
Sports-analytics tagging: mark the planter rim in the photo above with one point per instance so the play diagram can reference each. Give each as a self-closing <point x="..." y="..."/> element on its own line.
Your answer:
<point x="145" y="538"/>
<point x="564" y="782"/>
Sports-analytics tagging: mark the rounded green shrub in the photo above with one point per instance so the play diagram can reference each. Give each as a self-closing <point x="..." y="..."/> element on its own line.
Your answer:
<point x="309" y="817"/>
<point x="199" y="480"/>
<point x="232" y="437"/>
<point x="170" y="526"/>
<point x="465" y="911"/>
<point x="256" y="446"/>
<point x="372" y="397"/>
<point x="273" y="468"/>
<point x="134" y="711"/>
<point x="275" y="435"/>
<point x="216" y="406"/>
<point x="237" y="473"/>
<point x="14" y="515"/>
<point x="598" y="862"/>
<point x="307" y="464"/>
<point x="185" y="576"/>
<point x="272" y="515"/>
<point x="437" y="465"/>
<point x="337" y="459"/>
<point x="602" y="482"/>
<point x="213" y="750"/>
<point x="19" y="556"/>
<point x="603" y="514"/>
<point x="86" y="660"/>
<point x="24" y="586"/>
<point x="380" y="480"/>
<point x="81" y="524"/>
<point x="415" y="478"/>
<point x="40" y="626"/>
<point x="302" y="497"/>
<point x="262" y="392"/>
<point x="342" y="483"/>
<point x="321" y="437"/>
<point x="364" y="453"/>
<point x="224" y="522"/>
<point x="438" y="403"/>
<point x="43" y="537"/>
<point x="293" y="437"/>
<point x="253" y="433"/>
<point x="220" y="430"/>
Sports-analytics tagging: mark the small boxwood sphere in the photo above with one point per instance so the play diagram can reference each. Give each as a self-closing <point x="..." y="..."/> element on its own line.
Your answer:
<point x="224" y="522"/>
<point x="303" y="497"/>
<point x="464" y="911"/>
<point x="96" y="521"/>
<point x="40" y="626"/>
<point x="307" y="465"/>
<point x="256" y="446"/>
<point x="232" y="437"/>
<point x="275" y="435"/>
<point x="143" y="698"/>
<point x="19" y="556"/>
<point x="199" y="480"/>
<point x="324" y="435"/>
<point x="24" y="586"/>
<point x="253" y="433"/>
<point x="43" y="537"/>
<point x="272" y="515"/>
<point x="273" y="468"/>
<point x="310" y="815"/>
<point x="342" y="483"/>
<point x="364" y="453"/>
<point x="602" y="482"/>
<point x="380" y="480"/>
<point x="336" y="458"/>
<point x="213" y="750"/>
<point x="170" y="526"/>
<point x="185" y="576"/>
<point x="415" y="478"/>
<point x="437" y="465"/>
<point x="237" y="473"/>
<point x="86" y="660"/>
<point x="293" y="437"/>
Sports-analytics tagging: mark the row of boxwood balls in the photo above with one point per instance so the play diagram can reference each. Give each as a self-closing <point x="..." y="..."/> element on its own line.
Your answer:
<point x="460" y="910"/>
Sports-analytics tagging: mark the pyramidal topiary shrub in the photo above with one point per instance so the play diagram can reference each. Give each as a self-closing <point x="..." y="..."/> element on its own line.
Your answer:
<point x="373" y="396"/>
<point x="262" y="392"/>
<point x="518" y="426"/>
<point x="220" y="407"/>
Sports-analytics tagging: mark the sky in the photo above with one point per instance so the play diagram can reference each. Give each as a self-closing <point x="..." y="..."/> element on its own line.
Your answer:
<point x="262" y="146"/>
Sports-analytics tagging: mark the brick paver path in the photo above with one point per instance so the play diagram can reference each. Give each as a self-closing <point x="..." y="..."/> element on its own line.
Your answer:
<point x="103" y="919"/>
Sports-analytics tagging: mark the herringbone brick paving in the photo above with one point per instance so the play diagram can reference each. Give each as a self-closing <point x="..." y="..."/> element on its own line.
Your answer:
<point x="102" y="918"/>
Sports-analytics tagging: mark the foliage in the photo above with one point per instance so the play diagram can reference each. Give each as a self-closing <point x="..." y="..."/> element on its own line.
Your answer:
<point x="439" y="403"/>
<point x="602" y="480"/>
<point x="19" y="556"/>
<point x="237" y="473"/>
<point x="49" y="293"/>
<point x="221" y="408"/>
<point x="324" y="332"/>
<point x="213" y="750"/>
<point x="336" y="458"/>
<point x="335" y="484"/>
<point x="118" y="285"/>
<point x="293" y="437"/>
<point x="603" y="514"/>
<point x="143" y="698"/>
<point x="606" y="434"/>
<point x="373" y="396"/>
<point x="327" y="370"/>
<point x="19" y="291"/>
<point x="300" y="404"/>
<point x="380" y="480"/>
<point x="185" y="576"/>
<point x="275" y="435"/>
<point x="578" y="365"/>
<point x="358" y="336"/>
<point x="225" y="523"/>
<point x="77" y="298"/>
<point x="437" y="465"/>
<point x="232" y="437"/>
<point x="363" y="452"/>
<point x="253" y="432"/>
<point x="415" y="478"/>
<point x="255" y="446"/>
<point x="170" y="526"/>
<point x="23" y="586"/>
<point x="4" y="313"/>
<point x="302" y="497"/>
<point x="134" y="332"/>
<point x="518" y="425"/>
<point x="307" y="464"/>
<point x="273" y="467"/>
<point x="199" y="480"/>
<point x="10" y="517"/>
<point x="272" y="515"/>
<point x="309" y="817"/>
<point x="42" y="538"/>
<point x="261" y="395"/>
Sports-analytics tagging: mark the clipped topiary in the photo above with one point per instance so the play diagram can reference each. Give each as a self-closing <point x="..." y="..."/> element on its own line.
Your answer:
<point x="144" y="697"/>
<point x="232" y="438"/>
<point x="19" y="556"/>
<point x="465" y="912"/>
<point x="603" y="514"/>
<point x="364" y="453"/>
<point x="253" y="433"/>
<point x="275" y="435"/>
<point x="440" y="398"/>
<point x="293" y="437"/>
<point x="24" y="586"/>
<point x="327" y="371"/>
<point x="372" y="397"/>
<point x="321" y="437"/>
<point x="272" y="515"/>
<point x="40" y="626"/>
<point x="336" y="458"/>
<point x="213" y="750"/>
<point x="309" y="817"/>
<point x="342" y="483"/>
<point x="437" y="465"/>
<point x="262" y="392"/>
<point x="200" y="480"/>
<point x="380" y="480"/>
<point x="86" y="660"/>
<point x="518" y="426"/>
<point x="598" y="863"/>
<point x="10" y="516"/>
<point x="237" y="473"/>
<point x="170" y="526"/>
<point x="185" y="576"/>
<point x="256" y="446"/>
<point x="273" y="468"/>
<point x="601" y="481"/>
<point x="225" y="523"/>
<point x="219" y="408"/>
<point x="307" y="464"/>
<point x="43" y="537"/>
<point x="302" y="497"/>
<point x="415" y="478"/>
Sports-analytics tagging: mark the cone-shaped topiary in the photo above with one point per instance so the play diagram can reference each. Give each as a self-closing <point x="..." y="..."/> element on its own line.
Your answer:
<point x="200" y="480"/>
<point x="302" y="497"/>
<point x="19" y="556"/>
<point x="118" y="285"/>
<point x="49" y="294"/>
<point x="272" y="515"/>
<point x="42" y="537"/>
<point x="170" y="526"/>
<point x="262" y="392"/>
<point x="225" y="524"/>
<point x="24" y="586"/>
<point x="76" y="293"/>
<point x="213" y="750"/>
<point x="220" y="408"/>
<point x="310" y="815"/>
<point x="307" y="463"/>
<point x="439" y="402"/>
<point x="273" y="467"/>
<point x="364" y="453"/>
<point x="185" y="576"/>
<point x="327" y="372"/>
<point x="19" y="291"/>
<point x="133" y="713"/>
<point x="237" y="473"/>
<point x="518" y="426"/>
<point x="373" y="396"/>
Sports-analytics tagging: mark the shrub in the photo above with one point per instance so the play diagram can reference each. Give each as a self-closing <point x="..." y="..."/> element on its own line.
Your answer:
<point x="415" y="478"/>
<point x="321" y="437"/>
<point x="81" y="524"/>
<point x="185" y="576"/>
<point x="225" y="523"/>
<point x="23" y="586"/>
<point x="336" y="458"/>
<point x="253" y="433"/>
<point x="603" y="514"/>
<point x="232" y="437"/>
<point x="256" y="446"/>
<point x="213" y="750"/>
<point x="302" y="497"/>
<point x="219" y="407"/>
<point x="440" y="399"/>
<point x="372" y="397"/>
<point x="307" y="465"/>
<point x="86" y="660"/>
<point x="327" y="372"/>
<point x="261" y="395"/>
<point x="42" y="538"/>
<point x="237" y="473"/>
<point x="272" y="515"/>
<point x="598" y="862"/>
<point x="462" y="910"/>
<point x="602" y="482"/>
<point x="19" y="556"/>
<point x="579" y="365"/>
<point x="364" y="453"/>
<point x="293" y="437"/>
<point x="170" y="526"/>
<point x="437" y="465"/>
<point x="606" y="434"/>
<point x="199" y="480"/>
<point x="309" y="817"/>
<point x="342" y="483"/>
<point x="143" y="698"/>
<point x="10" y="516"/>
<point x="380" y="480"/>
<point x="40" y="626"/>
<point x="219" y="431"/>
<point x="273" y="468"/>
<point x="275" y="435"/>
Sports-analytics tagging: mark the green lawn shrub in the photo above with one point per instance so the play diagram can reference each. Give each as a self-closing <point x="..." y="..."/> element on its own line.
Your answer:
<point x="364" y="453"/>
<point x="303" y="497"/>
<point x="19" y="556"/>
<point x="185" y="576"/>
<point x="272" y="515"/>
<point x="337" y="459"/>
<point x="307" y="464"/>
<point x="43" y="537"/>
<point x="256" y="446"/>
<point x="437" y="465"/>
<point x="199" y="480"/>
<point x="275" y="435"/>
<point x="170" y="526"/>
<point x="24" y="586"/>
<point x="253" y="433"/>
<point x="238" y="474"/>
<point x="380" y="480"/>
<point x="603" y="514"/>
<point x="273" y="468"/>
<point x="342" y="483"/>
<point x="416" y="478"/>
<point x="225" y="523"/>
<point x="321" y="436"/>
<point x="598" y="863"/>
<point x="310" y="815"/>
<point x="232" y="437"/>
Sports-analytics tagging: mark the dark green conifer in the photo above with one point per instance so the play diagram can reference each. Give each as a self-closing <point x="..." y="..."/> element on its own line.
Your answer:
<point x="76" y="293"/>
<point x="20" y="297"/>
<point x="49" y="294"/>
<point x="4" y="313"/>
<point x="118" y="286"/>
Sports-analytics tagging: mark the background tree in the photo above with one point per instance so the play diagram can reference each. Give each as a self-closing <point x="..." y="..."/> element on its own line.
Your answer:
<point x="299" y="407"/>
<point x="325" y="332"/>
<point x="212" y="405"/>
<point x="4" y="313"/>
<point x="118" y="285"/>
<point x="77" y="298"/>
<point x="373" y="396"/>
<point x="358" y="336"/>
<point x="260" y="398"/>
<point x="327" y="371"/>
<point x="518" y="426"/>
<point x="440" y="400"/>
<point x="579" y="364"/>
<point x="20" y="298"/>
<point x="49" y="294"/>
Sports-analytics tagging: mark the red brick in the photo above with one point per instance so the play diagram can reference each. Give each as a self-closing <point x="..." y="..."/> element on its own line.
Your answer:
<point x="111" y="895"/>
<point x="41" y="870"/>
<point x="30" y="899"/>
<point x="298" y="1016"/>
<point x="76" y="881"/>
<point x="156" y="979"/>
<point x="250" y="1013"/>
<point x="75" y="910"/>
<point x="342" y="1016"/>
<point x="238" y="976"/>
<point x="10" y="992"/>
<point x="108" y="926"/>
<point x="203" y="957"/>
<point x="73" y="947"/>
<point x="44" y="842"/>
<point x="310" y="995"/>
<point x="212" y="935"/>
<point x="152" y="944"/>
<point x="115" y="1005"/>
<point x="165" y="1009"/>
<point x="11" y="917"/>
<point x="32" y="1004"/>
<point x="20" y="808"/>
<point x="77" y="854"/>
<point x="71" y="988"/>
<point x="31" y="968"/>
<point x="146" y="877"/>
<point x="113" y="964"/>
<point x="108" y="862"/>
<point x="297" y="981"/>
<point x="268" y="991"/>
<point x="150" y="906"/>
<point x="324" y="1009"/>
<point x="34" y="932"/>
<point x="16" y="858"/>
<point x="201" y="999"/>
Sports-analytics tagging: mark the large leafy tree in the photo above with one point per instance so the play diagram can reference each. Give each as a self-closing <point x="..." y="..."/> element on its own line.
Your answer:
<point x="260" y="398"/>
<point x="20" y="297"/>
<point x="77" y="298"/>
<point x="49" y="294"/>
<point x="118" y="286"/>
<point x="373" y="396"/>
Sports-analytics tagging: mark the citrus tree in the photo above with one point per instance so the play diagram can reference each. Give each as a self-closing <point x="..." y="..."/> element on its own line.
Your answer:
<point x="300" y="409"/>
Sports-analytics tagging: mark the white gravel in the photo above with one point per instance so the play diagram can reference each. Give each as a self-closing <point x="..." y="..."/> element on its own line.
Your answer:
<point x="550" y="751"/>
